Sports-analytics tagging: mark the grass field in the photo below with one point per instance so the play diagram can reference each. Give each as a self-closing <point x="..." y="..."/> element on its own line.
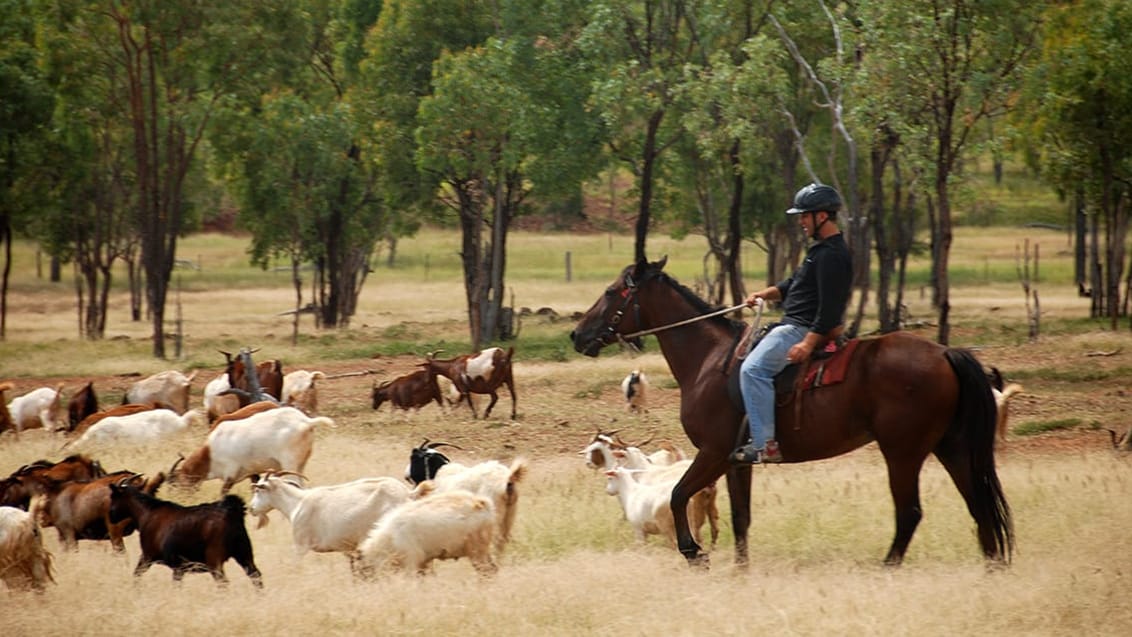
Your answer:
<point x="820" y="530"/>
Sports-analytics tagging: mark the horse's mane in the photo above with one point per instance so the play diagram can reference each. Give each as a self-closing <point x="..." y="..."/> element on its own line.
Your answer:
<point x="700" y="305"/>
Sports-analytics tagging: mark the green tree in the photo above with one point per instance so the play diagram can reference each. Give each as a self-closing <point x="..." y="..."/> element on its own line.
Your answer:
<point x="26" y="103"/>
<point x="1078" y="105"/>
<point x="960" y="64"/>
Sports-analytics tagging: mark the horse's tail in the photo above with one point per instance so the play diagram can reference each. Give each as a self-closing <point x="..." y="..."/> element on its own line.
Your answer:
<point x="975" y="421"/>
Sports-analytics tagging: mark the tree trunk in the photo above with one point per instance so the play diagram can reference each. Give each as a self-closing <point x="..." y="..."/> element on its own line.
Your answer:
<point x="648" y="165"/>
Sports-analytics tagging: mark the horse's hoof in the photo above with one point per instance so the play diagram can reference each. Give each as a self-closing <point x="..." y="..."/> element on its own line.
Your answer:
<point x="701" y="561"/>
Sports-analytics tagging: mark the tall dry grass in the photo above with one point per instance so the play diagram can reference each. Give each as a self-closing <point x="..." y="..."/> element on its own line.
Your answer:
<point x="819" y="533"/>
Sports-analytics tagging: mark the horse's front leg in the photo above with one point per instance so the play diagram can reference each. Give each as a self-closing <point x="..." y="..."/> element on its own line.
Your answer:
<point x="704" y="470"/>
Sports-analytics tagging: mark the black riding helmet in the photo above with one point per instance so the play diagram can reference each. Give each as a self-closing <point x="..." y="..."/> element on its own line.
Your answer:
<point x="816" y="198"/>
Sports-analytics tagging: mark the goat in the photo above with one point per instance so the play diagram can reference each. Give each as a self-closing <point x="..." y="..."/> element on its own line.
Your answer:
<point x="635" y="389"/>
<point x="169" y="387"/>
<point x="479" y="373"/>
<point x="265" y="384"/>
<point x="117" y="410"/>
<point x="42" y="407"/>
<point x="491" y="479"/>
<point x="333" y="518"/>
<point x="1002" y="403"/>
<point x="83" y="403"/>
<point x="139" y="428"/>
<point x="186" y="538"/>
<point x="300" y="390"/>
<point x="24" y="563"/>
<point x="646" y="506"/>
<point x="279" y="439"/>
<point x="410" y="391"/>
<point x="5" y="417"/>
<point x="607" y="451"/>
<point x="34" y="479"/>
<point x="216" y="401"/>
<point x="445" y="525"/>
<point x="80" y="510"/>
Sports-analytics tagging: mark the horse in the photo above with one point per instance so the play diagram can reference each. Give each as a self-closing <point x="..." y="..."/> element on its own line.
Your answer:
<point x="910" y="395"/>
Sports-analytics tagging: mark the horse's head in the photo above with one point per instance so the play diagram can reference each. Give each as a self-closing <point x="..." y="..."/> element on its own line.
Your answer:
<point x="617" y="311"/>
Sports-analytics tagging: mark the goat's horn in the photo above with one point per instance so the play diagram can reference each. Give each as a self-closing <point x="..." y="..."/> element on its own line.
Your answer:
<point x="287" y="473"/>
<point x="434" y="445"/>
<point x="179" y="460"/>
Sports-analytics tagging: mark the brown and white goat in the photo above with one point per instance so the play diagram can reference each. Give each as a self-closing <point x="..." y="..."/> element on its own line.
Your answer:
<point x="279" y="439"/>
<point x="479" y="373"/>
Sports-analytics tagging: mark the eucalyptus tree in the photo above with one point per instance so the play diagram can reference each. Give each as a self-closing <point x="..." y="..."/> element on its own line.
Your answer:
<point x="960" y="64"/>
<point x="26" y="103"/>
<point x="504" y="122"/>
<point x="177" y="61"/>
<point x="1078" y="123"/>
<point x="643" y="47"/>
<point x="302" y="168"/>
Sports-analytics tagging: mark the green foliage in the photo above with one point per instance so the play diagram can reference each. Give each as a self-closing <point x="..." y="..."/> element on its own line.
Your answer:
<point x="1035" y="428"/>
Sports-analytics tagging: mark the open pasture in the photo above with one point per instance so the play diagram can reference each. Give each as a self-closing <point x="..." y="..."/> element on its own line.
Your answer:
<point x="820" y="529"/>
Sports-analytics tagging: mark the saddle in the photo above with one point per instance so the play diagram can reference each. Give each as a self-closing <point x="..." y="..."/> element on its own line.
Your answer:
<point x="826" y="366"/>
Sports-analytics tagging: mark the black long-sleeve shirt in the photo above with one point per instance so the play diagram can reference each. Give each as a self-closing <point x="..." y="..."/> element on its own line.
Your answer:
<point x="816" y="295"/>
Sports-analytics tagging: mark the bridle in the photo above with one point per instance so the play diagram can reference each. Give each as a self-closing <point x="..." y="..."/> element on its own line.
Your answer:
<point x="629" y="295"/>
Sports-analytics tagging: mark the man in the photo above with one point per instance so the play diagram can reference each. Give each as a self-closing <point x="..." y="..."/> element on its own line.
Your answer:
<point x="813" y="303"/>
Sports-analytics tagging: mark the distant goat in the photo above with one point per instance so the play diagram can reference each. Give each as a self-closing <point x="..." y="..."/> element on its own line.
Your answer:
<point x="479" y="373"/>
<point x="24" y="563"/>
<point x="141" y="428"/>
<point x="5" y="417"/>
<point x="35" y="478"/>
<point x="42" y="407"/>
<point x="635" y="390"/>
<point x="186" y="538"/>
<point x="216" y="401"/>
<point x="445" y="525"/>
<point x="264" y="384"/>
<point x="300" y="390"/>
<point x="410" y="391"/>
<point x="82" y="404"/>
<point x="169" y="387"/>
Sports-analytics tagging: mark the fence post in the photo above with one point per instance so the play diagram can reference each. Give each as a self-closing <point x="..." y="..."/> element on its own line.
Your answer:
<point x="569" y="273"/>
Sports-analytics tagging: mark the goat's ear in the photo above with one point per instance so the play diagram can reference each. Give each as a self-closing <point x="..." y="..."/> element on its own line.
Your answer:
<point x="620" y="453"/>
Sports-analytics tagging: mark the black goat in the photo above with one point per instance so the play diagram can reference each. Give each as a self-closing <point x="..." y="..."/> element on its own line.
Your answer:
<point x="425" y="461"/>
<point x="187" y="539"/>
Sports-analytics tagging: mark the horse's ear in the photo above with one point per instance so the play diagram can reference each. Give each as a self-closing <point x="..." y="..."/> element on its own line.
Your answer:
<point x="659" y="265"/>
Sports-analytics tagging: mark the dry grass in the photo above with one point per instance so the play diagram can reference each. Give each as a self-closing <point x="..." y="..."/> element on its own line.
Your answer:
<point x="820" y="529"/>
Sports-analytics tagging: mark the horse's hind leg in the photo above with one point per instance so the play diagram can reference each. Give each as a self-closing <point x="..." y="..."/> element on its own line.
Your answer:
<point x="904" y="483"/>
<point x="958" y="466"/>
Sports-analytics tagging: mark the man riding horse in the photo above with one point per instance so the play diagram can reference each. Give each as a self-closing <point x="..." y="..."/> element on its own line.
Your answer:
<point x="813" y="303"/>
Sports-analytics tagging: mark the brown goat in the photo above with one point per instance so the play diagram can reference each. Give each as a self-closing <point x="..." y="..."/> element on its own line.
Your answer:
<point x="80" y="510"/>
<point x="411" y="391"/>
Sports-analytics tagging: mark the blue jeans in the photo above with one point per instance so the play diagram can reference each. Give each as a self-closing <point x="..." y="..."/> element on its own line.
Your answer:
<point x="756" y="378"/>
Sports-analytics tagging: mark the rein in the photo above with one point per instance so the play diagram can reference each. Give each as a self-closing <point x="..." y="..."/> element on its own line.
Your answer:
<point x="726" y="310"/>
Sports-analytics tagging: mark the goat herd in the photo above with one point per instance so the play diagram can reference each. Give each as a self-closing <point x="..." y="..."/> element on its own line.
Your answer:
<point x="261" y="428"/>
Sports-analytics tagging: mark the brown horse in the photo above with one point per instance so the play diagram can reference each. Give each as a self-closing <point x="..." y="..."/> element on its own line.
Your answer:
<point x="912" y="396"/>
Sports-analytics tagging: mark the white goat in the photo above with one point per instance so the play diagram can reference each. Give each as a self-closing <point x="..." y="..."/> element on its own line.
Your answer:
<point x="635" y="390"/>
<point x="299" y="390"/>
<point x="279" y="439"/>
<point x="42" y="407"/>
<point x="1002" y="403"/>
<point x="140" y="428"/>
<point x="24" y="563"/>
<point x="170" y="387"/>
<point x="606" y="451"/>
<point x="646" y="506"/>
<point x="216" y="402"/>
<point x="329" y="519"/>
<point x="447" y="525"/>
